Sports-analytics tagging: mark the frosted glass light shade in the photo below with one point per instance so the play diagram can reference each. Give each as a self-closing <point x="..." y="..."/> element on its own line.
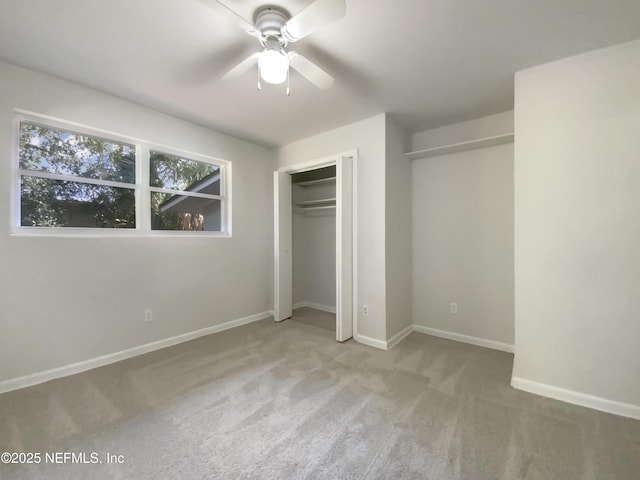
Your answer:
<point x="274" y="66"/>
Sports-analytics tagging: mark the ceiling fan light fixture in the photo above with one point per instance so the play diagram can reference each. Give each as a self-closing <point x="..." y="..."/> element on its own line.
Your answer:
<point x="274" y="28"/>
<point x="274" y="66"/>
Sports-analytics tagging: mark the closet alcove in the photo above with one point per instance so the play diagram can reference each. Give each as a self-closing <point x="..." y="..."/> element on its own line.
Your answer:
<point x="314" y="246"/>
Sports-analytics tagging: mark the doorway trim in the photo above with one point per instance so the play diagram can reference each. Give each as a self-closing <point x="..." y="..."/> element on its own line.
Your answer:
<point x="334" y="159"/>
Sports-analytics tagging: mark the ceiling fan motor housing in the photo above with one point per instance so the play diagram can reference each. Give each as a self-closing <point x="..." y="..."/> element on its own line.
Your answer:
<point x="269" y="22"/>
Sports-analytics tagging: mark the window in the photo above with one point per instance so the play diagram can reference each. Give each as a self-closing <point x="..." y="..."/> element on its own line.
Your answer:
<point x="185" y="194"/>
<point x="72" y="181"/>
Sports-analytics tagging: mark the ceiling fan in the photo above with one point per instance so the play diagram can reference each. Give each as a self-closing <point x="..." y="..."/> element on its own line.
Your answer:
<point x="275" y="29"/>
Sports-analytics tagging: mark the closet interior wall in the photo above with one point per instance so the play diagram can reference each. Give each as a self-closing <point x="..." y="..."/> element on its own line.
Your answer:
<point x="314" y="239"/>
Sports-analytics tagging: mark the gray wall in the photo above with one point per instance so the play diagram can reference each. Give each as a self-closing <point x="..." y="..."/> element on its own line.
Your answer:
<point x="65" y="300"/>
<point x="577" y="224"/>
<point x="398" y="229"/>
<point x="463" y="243"/>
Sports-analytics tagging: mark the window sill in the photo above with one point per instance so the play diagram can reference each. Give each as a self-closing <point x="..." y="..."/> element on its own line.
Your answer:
<point x="110" y="233"/>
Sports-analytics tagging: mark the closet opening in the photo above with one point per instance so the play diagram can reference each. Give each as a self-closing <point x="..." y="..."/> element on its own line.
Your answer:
<point x="314" y="244"/>
<point x="314" y="247"/>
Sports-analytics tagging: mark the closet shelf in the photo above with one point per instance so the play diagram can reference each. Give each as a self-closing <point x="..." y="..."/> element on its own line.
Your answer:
<point x="308" y="206"/>
<point x="319" y="207"/>
<point x="316" y="203"/>
<point x="320" y="181"/>
<point x="461" y="147"/>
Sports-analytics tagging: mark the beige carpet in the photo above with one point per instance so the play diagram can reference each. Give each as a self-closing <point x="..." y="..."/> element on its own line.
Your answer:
<point x="311" y="316"/>
<point x="277" y="401"/>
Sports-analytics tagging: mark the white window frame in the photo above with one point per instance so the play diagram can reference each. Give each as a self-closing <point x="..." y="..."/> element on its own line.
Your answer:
<point x="142" y="188"/>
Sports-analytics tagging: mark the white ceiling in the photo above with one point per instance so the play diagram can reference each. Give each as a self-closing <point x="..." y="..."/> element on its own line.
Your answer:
<point x="428" y="62"/>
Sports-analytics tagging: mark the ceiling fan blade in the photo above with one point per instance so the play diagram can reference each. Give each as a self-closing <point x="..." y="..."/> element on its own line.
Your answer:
<point x="242" y="67"/>
<point x="230" y="15"/>
<point x="316" y="15"/>
<point x="310" y="71"/>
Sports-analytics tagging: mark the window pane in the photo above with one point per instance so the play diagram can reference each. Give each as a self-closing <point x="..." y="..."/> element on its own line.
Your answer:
<point x="176" y="173"/>
<point x="45" y="149"/>
<point x="182" y="212"/>
<point x="55" y="203"/>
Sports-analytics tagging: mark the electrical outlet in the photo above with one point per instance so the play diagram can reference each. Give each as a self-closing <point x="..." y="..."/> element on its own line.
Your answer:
<point x="365" y="310"/>
<point x="453" y="307"/>
<point x="148" y="315"/>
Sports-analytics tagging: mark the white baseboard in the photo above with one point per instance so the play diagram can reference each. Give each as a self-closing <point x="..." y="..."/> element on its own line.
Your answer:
<point x="41" y="377"/>
<point x="317" y="306"/>
<point x="577" y="398"/>
<point x="381" y="344"/>
<point x="458" y="337"/>
<point x="398" y="337"/>
<point x="372" y="342"/>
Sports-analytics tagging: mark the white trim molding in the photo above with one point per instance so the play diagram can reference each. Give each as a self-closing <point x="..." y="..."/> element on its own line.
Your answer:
<point x="371" y="342"/>
<point x="458" y="337"/>
<point x="381" y="344"/>
<point x="316" y="306"/>
<point x="398" y="337"/>
<point x="72" y="369"/>
<point x="577" y="398"/>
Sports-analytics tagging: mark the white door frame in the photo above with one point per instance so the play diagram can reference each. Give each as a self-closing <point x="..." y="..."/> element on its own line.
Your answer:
<point x="283" y="248"/>
<point x="350" y="257"/>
